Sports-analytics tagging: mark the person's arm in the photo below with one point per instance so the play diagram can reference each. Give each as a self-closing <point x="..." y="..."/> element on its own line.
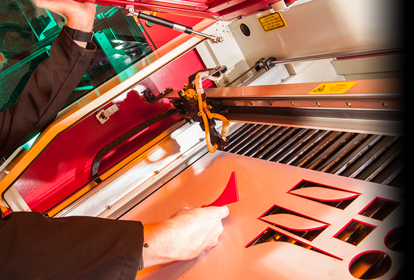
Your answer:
<point x="35" y="247"/>
<point x="52" y="82"/>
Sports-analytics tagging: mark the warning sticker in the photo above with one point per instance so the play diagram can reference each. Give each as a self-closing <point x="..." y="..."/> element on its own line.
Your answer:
<point x="337" y="87"/>
<point x="272" y="21"/>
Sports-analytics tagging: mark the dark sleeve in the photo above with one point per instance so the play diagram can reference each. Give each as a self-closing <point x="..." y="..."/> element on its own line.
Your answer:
<point x="35" y="247"/>
<point x="45" y="93"/>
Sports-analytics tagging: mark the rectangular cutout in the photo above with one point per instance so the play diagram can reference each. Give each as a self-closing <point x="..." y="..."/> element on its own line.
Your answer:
<point x="354" y="232"/>
<point x="379" y="209"/>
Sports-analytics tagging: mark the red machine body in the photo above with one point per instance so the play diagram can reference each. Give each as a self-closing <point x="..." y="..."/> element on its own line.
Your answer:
<point x="212" y="9"/>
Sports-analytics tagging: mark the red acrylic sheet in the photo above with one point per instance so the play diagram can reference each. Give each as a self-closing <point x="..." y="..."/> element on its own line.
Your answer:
<point x="261" y="185"/>
<point x="229" y="195"/>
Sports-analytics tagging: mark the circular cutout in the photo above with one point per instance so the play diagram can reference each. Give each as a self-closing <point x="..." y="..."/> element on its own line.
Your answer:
<point x="245" y="30"/>
<point x="395" y="239"/>
<point x="370" y="265"/>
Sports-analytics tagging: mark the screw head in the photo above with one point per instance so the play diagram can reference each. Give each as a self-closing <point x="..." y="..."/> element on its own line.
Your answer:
<point x="348" y="104"/>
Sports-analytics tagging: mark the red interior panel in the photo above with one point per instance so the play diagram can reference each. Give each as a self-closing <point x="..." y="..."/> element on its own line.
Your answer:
<point x="65" y="166"/>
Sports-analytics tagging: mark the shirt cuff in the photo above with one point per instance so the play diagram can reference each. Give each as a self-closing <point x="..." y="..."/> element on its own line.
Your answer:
<point x="65" y="39"/>
<point x="135" y="250"/>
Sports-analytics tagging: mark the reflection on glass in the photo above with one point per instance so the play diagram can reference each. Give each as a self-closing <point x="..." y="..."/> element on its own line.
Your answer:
<point x="27" y="32"/>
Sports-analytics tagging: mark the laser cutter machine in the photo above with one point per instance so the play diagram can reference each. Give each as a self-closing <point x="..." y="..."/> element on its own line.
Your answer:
<point x="301" y="100"/>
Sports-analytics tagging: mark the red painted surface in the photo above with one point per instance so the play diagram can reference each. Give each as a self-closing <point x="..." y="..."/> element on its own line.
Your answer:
<point x="161" y="35"/>
<point x="65" y="166"/>
<point x="175" y="74"/>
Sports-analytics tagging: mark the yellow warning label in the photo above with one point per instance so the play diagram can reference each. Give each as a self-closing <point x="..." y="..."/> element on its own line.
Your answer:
<point x="337" y="87"/>
<point x="272" y="21"/>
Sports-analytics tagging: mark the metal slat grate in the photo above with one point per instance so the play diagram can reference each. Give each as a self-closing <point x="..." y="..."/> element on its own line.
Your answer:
<point x="367" y="157"/>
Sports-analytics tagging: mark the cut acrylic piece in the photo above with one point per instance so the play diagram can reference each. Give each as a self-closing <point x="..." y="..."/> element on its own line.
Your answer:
<point x="324" y="194"/>
<point x="271" y="235"/>
<point x="309" y="233"/>
<point x="294" y="222"/>
<point x="229" y="195"/>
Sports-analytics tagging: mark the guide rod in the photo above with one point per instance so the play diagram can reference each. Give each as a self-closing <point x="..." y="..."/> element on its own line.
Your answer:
<point x="370" y="51"/>
<point x="171" y="25"/>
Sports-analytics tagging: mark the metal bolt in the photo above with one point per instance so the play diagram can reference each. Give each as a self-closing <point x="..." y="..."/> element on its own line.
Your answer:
<point x="156" y="172"/>
<point x="108" y="207"/>
<point x="385" y="104"/>
<point x="348" y="104"/>
<point x="318" y="104"/>
<point x="291" y="103"/>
